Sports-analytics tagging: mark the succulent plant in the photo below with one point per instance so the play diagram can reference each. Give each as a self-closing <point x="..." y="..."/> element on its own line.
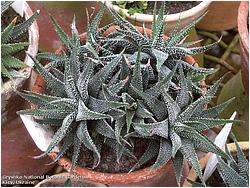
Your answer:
<point x="127" y="85"/>
<point x="235" y="173"/>
<point x="5" y="5"/>
<point x="234" y="170"/>
<point x="9" y="63"/>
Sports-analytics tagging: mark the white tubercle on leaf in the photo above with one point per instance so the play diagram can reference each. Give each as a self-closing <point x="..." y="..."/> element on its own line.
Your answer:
<point x="18" y="6"/>
<point x="41" y="134"/>
<point x="220" y="141"/>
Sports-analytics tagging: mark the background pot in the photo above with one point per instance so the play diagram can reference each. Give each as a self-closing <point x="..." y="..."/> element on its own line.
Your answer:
<point x="243" y="29"/>
<point x="221" y="15"/>
<point x="59" y="180"/>
<point x="63" y="12"/>
<point x="10" y="102"/>
<point x="203" y="161"/>
<point x="164" y="176"/>
<point x="186" y="17"/>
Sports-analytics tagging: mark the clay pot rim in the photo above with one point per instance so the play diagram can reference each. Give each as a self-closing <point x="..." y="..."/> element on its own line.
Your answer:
<point x="112" y="178"/>
<point x="169" y="18"/>
<point x="109" y="178"/>
<point x="62" y="177"/>
<point x="243" y="15"/>
<point x="32" y="49"/>
<point x="203" y="161"/>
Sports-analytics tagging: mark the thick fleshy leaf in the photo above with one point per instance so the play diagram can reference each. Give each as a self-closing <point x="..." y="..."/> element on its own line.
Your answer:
<point x="24" y="26"/>
<point x="76" y="151"/>
<point x="176" y="37"/>
<point x="103" y="128"/>
<point x="193" y="108"/>
<point x="142" y="111"/>
<point x="190" y="155"/>
<point x="6" y="33"/>
<point x="67" y="142"/>
<point x="61" y="34"/>
<point x="150" y="153"/>
<point x="119" y="124"/>
<point x="85" y="138"/>
<point x="60" y="134"/>
<point x="136" y="79"/>
<point x="178" y="166"/>
<point x="71" y="74"/>
<point x="103" y="106"/>
<point x="82" y="83"/>
<point x="216" y="110"/>
<point x="100" y="77"/>
<point x="150" y="129"/>
<point x="190" y="133"/>
<point x="230" y="176"/>
<point x="156" y="106"/>
<point x="164" y="154"/>
<point x="156" y="90"/>
<point x="172" y="106"/>
<point x="176" y="142"/>
<point x="129" y="117"/>
<point x="86" y="114"/>
<point x="161" y="57"/>
<point x="183" y="96"/>
<point x="51" y="81"/>
<point x="46" y="113"/>
<point x="220" y="141"/>
<point x="202" y="124"/>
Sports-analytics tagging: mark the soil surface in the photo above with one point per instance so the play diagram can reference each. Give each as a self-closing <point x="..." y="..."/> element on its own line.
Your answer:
<point x="108" y="163"/>
<point x="172" y="7"/>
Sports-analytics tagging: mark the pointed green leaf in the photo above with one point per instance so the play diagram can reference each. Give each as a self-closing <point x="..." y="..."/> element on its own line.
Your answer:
<point x="86" y="114"/>
<point x="164" y="154"/>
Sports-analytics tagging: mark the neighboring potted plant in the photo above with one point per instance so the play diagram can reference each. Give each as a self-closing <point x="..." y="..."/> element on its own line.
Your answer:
<point x="243" y="27"/>
<point x="17" y="34"/>
<point x="233" y="172"/>
<point x="15" y="65"/>
<point x="124" y="99"/>
<point x="136" y="12"/>
<point x="178" y="14"/>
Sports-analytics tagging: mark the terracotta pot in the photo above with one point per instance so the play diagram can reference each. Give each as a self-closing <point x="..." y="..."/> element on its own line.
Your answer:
<point x="163" y="176"/>
<point x="203" y="161"/>
<point x="221" y="15"/>
<point x="59" y="180"/>
<point x="63" y="12"/>
<point x="9" y="100"/>
<point x="243" y="29"/>
<point x="185" y="17"/>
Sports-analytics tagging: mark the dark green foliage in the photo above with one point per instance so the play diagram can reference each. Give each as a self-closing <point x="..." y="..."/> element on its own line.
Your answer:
<point x="128" y="92"/>
<point x="132" y="6"/>
<point x="5" y="5"/>
<point x="9" y="63"/>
